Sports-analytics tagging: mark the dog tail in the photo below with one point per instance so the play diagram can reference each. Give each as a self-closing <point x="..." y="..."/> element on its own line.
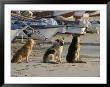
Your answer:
<point x="49" y="51"/>
<point x="14" y="59"/>
<point x="45" y="58"/>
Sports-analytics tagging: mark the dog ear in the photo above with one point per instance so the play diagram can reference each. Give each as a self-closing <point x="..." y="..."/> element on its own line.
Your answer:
<point x="63" y="38"/>
<point x="57" y="40"/>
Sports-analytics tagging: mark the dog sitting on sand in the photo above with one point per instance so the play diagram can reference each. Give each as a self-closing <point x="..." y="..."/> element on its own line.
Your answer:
<point x="24" y="52"/>
<point x="54" y="53"/>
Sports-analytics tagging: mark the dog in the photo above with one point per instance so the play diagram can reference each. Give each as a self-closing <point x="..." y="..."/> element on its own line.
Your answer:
<point x="54" y="53"/>
<point x="24" y="52"/>
<point x="73" y="55"/>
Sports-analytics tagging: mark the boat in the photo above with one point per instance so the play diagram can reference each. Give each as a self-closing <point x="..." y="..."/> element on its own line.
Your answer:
<point x="42" y="33"/>
<point x="42" y="29"/>
<point x="75" y="30"/>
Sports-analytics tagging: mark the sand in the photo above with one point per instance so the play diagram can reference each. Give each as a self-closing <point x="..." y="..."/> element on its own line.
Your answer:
<point x="90" y="52"/>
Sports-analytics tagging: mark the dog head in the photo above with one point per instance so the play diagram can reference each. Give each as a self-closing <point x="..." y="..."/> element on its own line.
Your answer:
<point x="30" y="41"/>
<point x="59" y="42"/>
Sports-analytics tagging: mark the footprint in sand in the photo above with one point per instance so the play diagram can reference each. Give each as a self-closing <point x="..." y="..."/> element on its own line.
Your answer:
<point x="23" y="69"/>
<point x="26" y="75"/>
<point x="85" y="70"/>
<point x="73" y="65"/>
<point x="51" y="70"/>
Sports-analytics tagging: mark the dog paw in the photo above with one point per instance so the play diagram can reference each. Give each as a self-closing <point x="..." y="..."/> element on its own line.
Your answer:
<point x="79" y="61"/>
<point x="53" y="62"/>
<point x="27" y="61"/>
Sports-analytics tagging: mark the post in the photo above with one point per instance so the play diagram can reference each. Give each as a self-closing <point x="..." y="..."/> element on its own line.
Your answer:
<point x="22" y="38"/>
<point x="73" y="55"/>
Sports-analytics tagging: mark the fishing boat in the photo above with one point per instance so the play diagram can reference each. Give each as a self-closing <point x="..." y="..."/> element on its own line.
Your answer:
<point x="43" y="29"/>
<point x="41" y="32"/>
<point x="75" y="30"/>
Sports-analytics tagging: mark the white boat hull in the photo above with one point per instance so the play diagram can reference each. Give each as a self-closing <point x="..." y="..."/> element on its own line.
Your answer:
<point x="45" y="34"/>
<point x="14" y="33"/>
<point x="74" y="30"/>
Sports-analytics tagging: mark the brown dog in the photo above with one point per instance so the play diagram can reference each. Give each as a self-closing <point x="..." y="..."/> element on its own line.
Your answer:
<point x="54" y="53"/>
<point x="24" y="52"/>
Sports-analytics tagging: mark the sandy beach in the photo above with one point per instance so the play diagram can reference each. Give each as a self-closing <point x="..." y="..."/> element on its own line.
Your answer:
<point x="90" y="52"/>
